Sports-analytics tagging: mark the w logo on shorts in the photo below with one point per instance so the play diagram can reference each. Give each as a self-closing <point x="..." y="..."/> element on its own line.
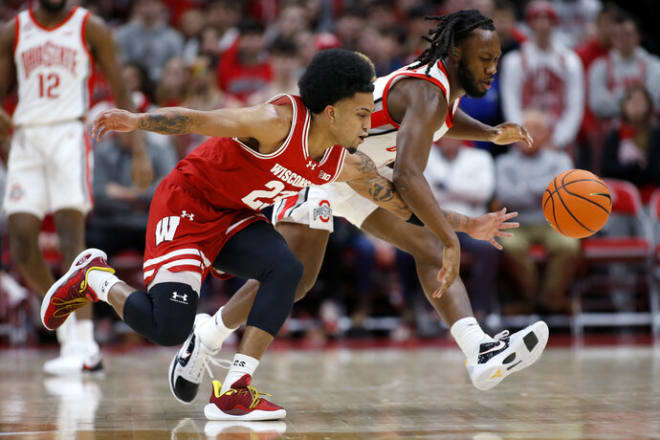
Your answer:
<point x="165" y="229"/>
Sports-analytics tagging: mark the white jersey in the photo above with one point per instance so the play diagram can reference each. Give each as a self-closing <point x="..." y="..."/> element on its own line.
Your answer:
<point x="53" y="66"/>
<point x="380" y="145"/>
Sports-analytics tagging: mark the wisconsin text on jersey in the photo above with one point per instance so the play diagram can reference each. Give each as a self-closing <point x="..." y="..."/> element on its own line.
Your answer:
<point x="288" y="176"/>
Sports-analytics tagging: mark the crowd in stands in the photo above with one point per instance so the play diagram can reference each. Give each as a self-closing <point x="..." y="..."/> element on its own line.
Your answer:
<point x="575" y="73"/>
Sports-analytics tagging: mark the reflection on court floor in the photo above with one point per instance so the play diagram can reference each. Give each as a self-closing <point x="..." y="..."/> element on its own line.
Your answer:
<point x="571" y="393"/>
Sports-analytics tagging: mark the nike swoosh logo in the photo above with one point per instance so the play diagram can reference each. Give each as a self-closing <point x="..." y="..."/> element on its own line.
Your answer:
<point x="499" y="346"/>
<point x="512" y="366"/>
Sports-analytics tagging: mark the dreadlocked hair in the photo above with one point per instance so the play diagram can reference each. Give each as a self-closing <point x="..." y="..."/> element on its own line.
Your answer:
<point x="451" y="29"/>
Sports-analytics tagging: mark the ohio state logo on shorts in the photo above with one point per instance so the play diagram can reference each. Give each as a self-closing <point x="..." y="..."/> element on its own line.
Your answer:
<point x="323" y="212"/>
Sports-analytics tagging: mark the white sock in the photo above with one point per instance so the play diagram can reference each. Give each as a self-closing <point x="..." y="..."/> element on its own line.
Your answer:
<point x="468" y="335"/>
<point x="85" y="331"/>
<point x="101" y="282"/>
<point x="65" y="332"/>
<point x="214" y="331"/>
<point x="240" y="366"/>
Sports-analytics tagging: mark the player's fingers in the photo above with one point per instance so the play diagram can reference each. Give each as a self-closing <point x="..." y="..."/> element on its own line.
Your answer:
<point x="510" y="225"/>
<point x="510" y="215"/>
<point x="503" y="234"/>
<point x="495" y="244"/>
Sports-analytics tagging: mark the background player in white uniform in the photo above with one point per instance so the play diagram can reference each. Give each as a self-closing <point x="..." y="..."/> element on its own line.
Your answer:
<point x="414" y="106"/>
<point x="50" y="52"/>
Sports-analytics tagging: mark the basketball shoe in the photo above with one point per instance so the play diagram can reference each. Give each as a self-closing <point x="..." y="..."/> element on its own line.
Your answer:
<point x="187" y="366"/>
<point x="76" y="360"/>
<point x="506" y="354"/>
<point x="241" y="402"/>
<point x="72" y="291"/>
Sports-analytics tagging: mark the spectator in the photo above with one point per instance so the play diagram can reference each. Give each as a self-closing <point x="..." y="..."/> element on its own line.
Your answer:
<point x="522" y="176"/>
<point x="382" y="13"/>
<point x="545" y="76"/>
<point x="632" y="150"/>
<point x="147" y="39"/>
<point x="119" y="219"/>
<point x="202" y="94"/>
<point x="244" y="68"/>
<point x="573" y="18"/>
<point x="600" y="44"/>
<point x="626" y="64"/>
<point x="192" y="24"/>
<point x="224" y="16"/>
<point x="292" y="19"/>
<point x="349" y="27"/>
<point x="463" y="180"/>
<point x="138" y="85"/>
<point x="286" y="71"/>
<point x="504" y="18"/>
<point x="417" y="27"/>
<point x="592" y="133"/>
<point x="171" y="90"/>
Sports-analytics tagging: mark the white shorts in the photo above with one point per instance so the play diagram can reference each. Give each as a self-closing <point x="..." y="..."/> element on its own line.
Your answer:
<point x="316" y="205"/>
<point x="49" y="169"/>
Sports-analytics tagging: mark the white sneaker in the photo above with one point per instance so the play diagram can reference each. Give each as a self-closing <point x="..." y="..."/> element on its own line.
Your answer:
<point x="75" y="360"/>
<point x="507" y="354"/>
<point x="185" y="373"/>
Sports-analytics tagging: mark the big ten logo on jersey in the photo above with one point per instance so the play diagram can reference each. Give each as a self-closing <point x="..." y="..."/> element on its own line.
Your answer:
<point x="166" y="228"/>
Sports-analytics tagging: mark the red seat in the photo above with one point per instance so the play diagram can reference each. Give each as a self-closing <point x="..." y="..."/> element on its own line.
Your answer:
<point x="625" y="240"/>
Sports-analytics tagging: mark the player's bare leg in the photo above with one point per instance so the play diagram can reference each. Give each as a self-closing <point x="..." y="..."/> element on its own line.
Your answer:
<point x="489" y="360"/>
<point x="427" y="252"/>
<point x="24" y="231"/>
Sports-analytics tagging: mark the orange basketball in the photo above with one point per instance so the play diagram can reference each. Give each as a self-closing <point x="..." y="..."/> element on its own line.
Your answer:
<point x="577" y="203"/>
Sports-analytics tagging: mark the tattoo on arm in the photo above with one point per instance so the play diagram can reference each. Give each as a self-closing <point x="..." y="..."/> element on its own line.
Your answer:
<point x="381" y="189"/>
<point x="377" y="188"/>
<point x="366" y="166"/>
<point x="457" y="221"/>
<point x="166" y="123"/>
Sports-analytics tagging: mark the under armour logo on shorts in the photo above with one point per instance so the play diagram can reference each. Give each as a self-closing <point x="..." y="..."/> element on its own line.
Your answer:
<point x="183" y="299"/>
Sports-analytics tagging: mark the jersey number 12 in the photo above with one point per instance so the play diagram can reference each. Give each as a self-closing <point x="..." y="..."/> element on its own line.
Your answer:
<point x="48" y="84"/>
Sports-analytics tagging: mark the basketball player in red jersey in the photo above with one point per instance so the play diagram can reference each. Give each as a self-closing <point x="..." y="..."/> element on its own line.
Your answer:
<point x="205" y="216"/>
<point x="50" y="52"/>
<point x="415" y="105"/>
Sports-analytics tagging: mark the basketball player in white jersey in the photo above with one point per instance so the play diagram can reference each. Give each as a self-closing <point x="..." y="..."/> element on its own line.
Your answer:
<point x="415" y="105"/>
<point x="50" y="52"/>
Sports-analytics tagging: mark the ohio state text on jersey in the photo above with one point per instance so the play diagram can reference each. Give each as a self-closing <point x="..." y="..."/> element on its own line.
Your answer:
<point x="53" y="67"/>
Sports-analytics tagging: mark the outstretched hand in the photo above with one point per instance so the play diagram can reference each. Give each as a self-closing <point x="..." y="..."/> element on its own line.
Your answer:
<point x="488" y="226"/>
<point x="509" y="133"/>
<point x="114" y="120"/>
<point x="451" y="264"/>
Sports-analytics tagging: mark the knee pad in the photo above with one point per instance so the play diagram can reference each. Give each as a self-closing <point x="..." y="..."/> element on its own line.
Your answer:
<point x="276" y="294"/>
<point x="174" y="309"/>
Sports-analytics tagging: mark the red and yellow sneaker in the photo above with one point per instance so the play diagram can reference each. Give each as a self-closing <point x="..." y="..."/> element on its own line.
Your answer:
<point x="241" y="402"/>
<point x="72" y="292"/>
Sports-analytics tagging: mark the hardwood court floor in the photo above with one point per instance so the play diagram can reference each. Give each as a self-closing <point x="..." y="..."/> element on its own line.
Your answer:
<point x="591" y="393"/>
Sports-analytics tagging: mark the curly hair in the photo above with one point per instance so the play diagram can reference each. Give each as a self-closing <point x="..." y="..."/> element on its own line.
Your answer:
<point x="451" y="30"/>
<point x="333" y="75"/>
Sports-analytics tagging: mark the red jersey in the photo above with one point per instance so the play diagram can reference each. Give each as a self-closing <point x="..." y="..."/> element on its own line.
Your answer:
<point x="231" y="175"/>
<point x="220" y="187"/>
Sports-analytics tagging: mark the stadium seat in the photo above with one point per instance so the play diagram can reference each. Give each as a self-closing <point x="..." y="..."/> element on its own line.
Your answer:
<point x="617" y="260"/>
<point x="654" y="211"/>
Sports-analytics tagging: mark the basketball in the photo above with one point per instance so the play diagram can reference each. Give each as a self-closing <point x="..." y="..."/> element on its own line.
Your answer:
<point x="577" y="203"/>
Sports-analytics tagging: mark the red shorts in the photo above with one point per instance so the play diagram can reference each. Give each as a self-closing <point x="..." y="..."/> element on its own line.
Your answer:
<point x="184" y="233"/>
